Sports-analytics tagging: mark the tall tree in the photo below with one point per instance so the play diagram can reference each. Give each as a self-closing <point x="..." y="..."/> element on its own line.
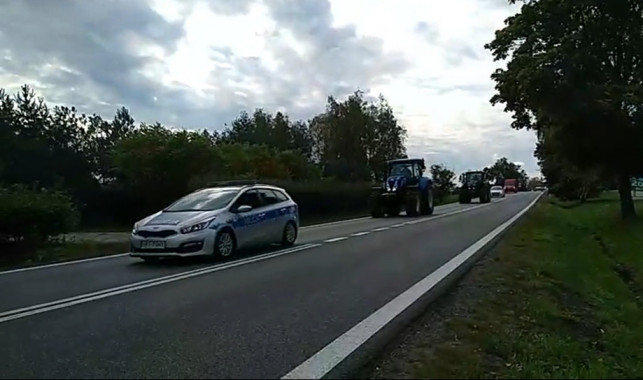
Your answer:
<point x="503" y="169"/>
<point x="574" y="74"/>
<point x="444" y="179"/>
<point x="353" y="138"/>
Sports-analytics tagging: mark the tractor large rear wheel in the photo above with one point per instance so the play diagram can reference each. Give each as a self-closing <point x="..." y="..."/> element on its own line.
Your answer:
<point x="413" y="203"/>
<point x="485" y="197"/>
<point x="393" y="209"/>
<point x="426" y="205"/>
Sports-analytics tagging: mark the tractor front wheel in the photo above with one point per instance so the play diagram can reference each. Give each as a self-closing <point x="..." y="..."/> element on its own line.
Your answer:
<point x="464" y="198"/>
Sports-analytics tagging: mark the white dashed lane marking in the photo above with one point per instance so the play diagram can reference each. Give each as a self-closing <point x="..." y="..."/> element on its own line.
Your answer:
<point x="361" y="233"/>
<point x="336" y="239"/>
<point x="381" y="229"/>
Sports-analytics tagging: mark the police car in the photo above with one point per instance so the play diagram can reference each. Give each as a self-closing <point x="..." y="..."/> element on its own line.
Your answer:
<point x="218" y="221"/>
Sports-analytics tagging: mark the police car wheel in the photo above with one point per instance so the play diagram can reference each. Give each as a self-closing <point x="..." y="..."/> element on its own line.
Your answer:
<point x="224" y="244"/>
<point x="289" y="235"/>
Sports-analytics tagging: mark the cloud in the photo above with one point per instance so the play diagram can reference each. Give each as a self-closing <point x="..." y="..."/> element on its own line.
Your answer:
<point x="199" y="63"/>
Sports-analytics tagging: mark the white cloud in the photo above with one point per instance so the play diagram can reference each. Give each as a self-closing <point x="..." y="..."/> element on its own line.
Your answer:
<point x="211" y="59"/>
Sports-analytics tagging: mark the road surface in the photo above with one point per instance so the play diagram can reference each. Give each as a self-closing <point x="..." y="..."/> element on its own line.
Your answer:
<point x="258" y="316"/>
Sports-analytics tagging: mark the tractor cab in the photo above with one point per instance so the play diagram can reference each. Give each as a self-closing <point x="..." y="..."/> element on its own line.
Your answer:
<point x="472" y="178"/>
<point x="410" y="169"/>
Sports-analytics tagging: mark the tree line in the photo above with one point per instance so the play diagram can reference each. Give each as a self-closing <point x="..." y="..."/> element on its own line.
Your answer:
<point x="115" y="171"/>
<point x="574" y="75"/>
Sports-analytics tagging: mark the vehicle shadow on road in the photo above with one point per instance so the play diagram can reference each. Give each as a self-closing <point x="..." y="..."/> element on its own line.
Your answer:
<point x="198" y="261"/>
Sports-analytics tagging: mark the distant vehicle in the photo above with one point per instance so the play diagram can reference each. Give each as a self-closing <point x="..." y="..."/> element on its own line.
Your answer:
<point x="475" y="184"/>
<point x="217" y="221"/>
<point x="404" y="187"/>
<point x="539" y="188"/>
<point x="511" y="185"/>
<point x="497" y="192"/>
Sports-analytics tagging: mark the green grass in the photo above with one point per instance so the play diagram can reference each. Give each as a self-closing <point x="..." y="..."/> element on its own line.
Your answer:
<point x="451" y="198"/>
<point x="560" y="297"/>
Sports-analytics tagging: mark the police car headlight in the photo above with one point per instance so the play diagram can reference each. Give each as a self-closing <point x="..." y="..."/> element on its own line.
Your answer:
<point x="196" y="227"/>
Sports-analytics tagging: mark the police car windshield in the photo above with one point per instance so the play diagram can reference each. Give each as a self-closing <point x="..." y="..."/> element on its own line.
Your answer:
<point x="203" y="200"/>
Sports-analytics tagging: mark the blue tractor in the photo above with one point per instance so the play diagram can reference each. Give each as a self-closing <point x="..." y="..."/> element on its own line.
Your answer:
<point x="404" y="187"/>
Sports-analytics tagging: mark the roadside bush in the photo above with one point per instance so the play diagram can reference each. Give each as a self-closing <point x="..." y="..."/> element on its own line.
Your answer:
<point x="32" y="215"/>
<point x="116" y="206"/>
<point x="327" y="197"/>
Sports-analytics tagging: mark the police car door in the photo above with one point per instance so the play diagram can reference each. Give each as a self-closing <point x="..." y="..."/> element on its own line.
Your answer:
<point x="247" y="225"/>
<point x="274" y="222"/>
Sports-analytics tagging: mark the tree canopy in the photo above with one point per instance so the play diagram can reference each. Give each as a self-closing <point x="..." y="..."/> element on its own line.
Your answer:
<point x="503" y="169"/>
<point x="574" y="75"/>
<point x="102" y="162"/>
<point x="444" y="180"/>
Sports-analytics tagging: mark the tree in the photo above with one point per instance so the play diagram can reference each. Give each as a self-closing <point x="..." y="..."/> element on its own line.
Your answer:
<point x="265" y="129"/>
<point x="503" y="169"/>
<point x="574" y="75"/>
<point x="154" y="157"/>
<point x="566" y="180"/>
<point x="444" y="180"/>
<point x="353" y="138"/>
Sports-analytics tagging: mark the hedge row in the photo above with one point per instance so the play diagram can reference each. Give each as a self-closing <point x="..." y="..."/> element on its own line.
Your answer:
<point x="114" y="206"/>
<point x="30" y="215"/>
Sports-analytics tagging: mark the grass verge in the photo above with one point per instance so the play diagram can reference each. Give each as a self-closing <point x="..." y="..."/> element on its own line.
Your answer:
<point x="59" y="252"/>
<point x="559" y="297"/>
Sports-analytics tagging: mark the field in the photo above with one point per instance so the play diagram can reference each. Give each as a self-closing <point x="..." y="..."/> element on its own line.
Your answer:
<point x="559" y="297"/>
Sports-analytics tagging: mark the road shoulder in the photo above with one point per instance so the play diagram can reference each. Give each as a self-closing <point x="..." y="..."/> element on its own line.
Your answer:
<point x="559" y="296"/>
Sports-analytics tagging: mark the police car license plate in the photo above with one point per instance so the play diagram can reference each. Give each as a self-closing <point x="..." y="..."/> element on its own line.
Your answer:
<point x="152" y="244"/>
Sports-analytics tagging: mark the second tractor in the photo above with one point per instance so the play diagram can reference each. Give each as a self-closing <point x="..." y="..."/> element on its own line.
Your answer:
<point x="475" y="184"/>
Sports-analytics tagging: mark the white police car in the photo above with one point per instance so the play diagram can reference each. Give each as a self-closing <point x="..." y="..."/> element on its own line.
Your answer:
<point x="217" y="221"/>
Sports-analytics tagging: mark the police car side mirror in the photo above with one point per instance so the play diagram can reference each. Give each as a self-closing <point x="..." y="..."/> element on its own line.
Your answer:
<point x="244" y="208"/>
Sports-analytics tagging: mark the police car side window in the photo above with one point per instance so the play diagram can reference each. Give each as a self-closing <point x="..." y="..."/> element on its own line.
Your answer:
<point x="250" y="198"/>
<point x="280" y="196"/>
<point x="269" y="197"/>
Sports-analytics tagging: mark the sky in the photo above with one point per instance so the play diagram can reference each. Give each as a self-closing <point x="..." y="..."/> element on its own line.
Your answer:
<point x="198" y="64"/>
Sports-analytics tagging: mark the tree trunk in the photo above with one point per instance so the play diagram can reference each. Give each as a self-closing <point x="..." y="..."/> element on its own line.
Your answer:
<point x="625" y="194"/>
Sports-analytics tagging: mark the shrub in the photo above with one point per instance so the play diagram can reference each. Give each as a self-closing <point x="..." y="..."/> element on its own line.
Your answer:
<point x="326" y="197"/>
<point x="33" y="215"/>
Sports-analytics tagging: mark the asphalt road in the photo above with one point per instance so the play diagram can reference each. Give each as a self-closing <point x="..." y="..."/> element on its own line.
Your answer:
<point x="257" y="317"/>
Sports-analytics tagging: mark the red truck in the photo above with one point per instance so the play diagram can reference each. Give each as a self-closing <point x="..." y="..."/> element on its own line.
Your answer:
<point x="511" y="185"/>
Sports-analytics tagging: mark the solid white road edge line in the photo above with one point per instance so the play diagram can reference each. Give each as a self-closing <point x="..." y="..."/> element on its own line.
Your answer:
<point x="83" y="298"/>
<point x="127" y="253"/>
<point x="335" y="352"/>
